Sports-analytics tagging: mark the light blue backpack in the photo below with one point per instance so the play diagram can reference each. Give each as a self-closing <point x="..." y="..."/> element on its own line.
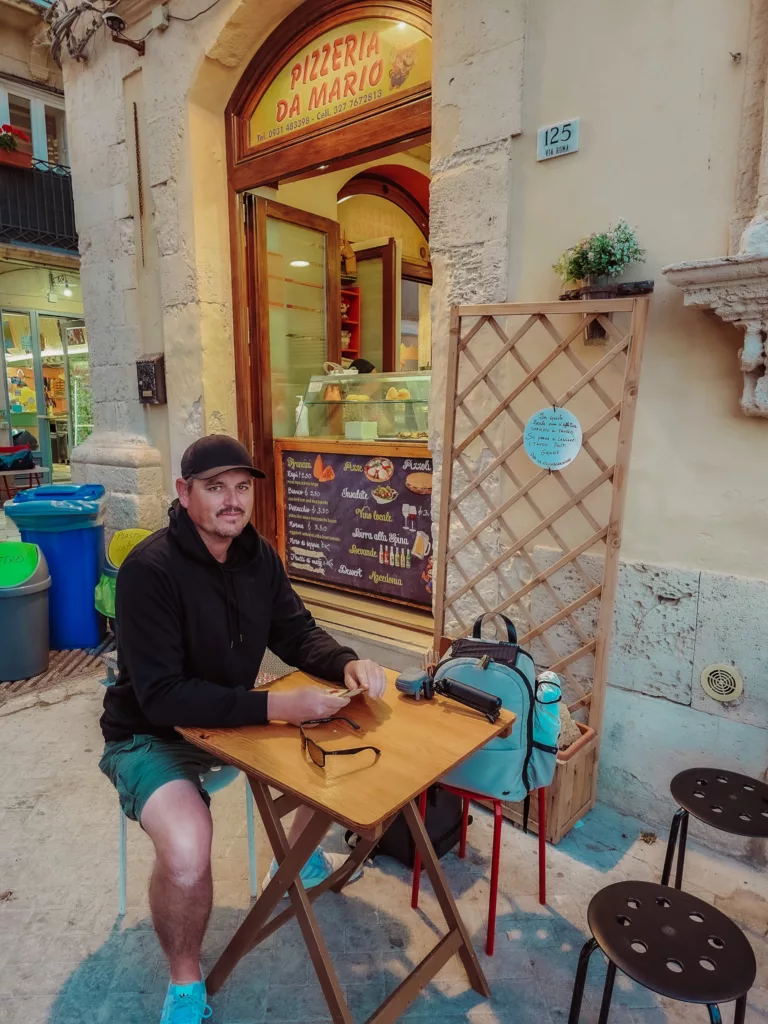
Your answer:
<point x="509" y="768"/>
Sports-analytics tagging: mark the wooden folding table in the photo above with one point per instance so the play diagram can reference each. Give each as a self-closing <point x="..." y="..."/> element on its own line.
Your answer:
<point x="419" y="742"/>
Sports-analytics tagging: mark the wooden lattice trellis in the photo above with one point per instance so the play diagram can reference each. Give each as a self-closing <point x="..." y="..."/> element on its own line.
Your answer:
<point x="541" y="546"/>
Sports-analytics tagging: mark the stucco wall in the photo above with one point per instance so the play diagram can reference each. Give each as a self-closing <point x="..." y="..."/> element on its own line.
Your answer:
<point x="660" y="109"/>
<point x="660" y="120"/>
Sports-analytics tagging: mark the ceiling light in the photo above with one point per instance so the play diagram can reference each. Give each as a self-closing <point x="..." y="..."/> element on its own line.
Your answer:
<point x="401" y="25"/>
<point x="67" y="290"/>
<point x="299" y="263"/>
<point x="323" y="167"/>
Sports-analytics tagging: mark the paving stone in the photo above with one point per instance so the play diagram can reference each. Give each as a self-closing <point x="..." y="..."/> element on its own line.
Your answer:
<point x="364" y="997"/>
<point x="35" y="1010"/>
<point x="289" y="966"/>
<point x="9" y="1008"/>
<point x="245" y="1002"/>
<point x="131" y="1007"/>
<point x="295" y="1005"/>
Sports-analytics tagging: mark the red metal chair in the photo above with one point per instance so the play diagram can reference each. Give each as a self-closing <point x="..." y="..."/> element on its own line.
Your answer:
<point x="466" y="797"/>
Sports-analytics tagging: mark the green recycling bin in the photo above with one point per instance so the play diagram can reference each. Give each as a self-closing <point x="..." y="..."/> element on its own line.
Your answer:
<point x="104" y="595"/>
<point x="24" y="585"/>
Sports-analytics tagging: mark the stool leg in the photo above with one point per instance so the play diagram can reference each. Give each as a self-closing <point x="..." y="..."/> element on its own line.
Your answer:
<point x="542" y="846"/>
<point x="417" y="855"/>
<point x="681" y="850"/>
<point x="587" y="950"/>
<point x="671" y="843"/>
<point x="714" y="1013"/>
<point x="464" y="827"/>
<point x="740" y="1011"/>
<point x="492" y="899"/>
<point x="251" y="838"/>
<point x="122" y="863"/>
<point x="605" y="1006"/>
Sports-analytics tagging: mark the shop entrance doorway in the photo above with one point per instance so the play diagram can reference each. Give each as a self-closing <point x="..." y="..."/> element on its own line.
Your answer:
<point x="45" y="391"/>
<point x="329" y="175"/>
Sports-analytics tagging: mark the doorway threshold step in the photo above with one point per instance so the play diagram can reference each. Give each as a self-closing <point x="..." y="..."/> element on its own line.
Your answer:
<point x="393" y="635"/>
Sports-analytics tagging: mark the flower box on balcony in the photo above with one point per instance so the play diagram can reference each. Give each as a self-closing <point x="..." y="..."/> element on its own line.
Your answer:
<point x="14" y="158"/>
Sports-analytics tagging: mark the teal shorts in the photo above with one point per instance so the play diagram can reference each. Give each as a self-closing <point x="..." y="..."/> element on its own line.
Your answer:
<point x="139" y="766"/>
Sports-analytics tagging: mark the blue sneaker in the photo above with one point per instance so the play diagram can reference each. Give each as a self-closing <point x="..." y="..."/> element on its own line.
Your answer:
<point x="319" y="866"/>
<point x="186" y="1004"/>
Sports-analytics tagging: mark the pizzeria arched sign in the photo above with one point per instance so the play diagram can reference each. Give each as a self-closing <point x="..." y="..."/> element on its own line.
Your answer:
<point x="346" y="73"/>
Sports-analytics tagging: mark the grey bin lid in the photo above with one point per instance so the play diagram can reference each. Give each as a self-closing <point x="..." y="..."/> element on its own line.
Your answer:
<point x="23" y="569"/>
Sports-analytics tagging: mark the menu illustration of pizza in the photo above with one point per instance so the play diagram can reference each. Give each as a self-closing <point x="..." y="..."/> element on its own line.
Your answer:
<point x="364" y="523"/>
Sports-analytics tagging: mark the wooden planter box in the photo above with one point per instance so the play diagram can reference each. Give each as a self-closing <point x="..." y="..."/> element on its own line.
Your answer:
<point x="13" y="158"/>
<point x="570" y="795"/>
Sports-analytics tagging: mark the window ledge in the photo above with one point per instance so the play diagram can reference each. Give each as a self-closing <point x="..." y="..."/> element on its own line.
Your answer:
<point x="736" y="289"/>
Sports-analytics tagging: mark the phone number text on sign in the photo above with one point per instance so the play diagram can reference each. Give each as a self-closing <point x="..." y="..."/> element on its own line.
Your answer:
<point x="552" y="438"/>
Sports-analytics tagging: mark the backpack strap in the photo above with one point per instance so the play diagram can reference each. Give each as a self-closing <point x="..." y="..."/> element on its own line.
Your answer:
<point x="477" y="629"/>
<point x="543" y="746"/>
<point x="526" y="811"/>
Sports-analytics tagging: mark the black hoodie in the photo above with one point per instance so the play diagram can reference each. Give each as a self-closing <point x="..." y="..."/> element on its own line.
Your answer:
<point x="193" y="632"/>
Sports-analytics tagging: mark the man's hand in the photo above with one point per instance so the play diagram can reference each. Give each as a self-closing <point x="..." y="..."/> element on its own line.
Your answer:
<point x="299" y="706"/>
<point x="366" y="675"/>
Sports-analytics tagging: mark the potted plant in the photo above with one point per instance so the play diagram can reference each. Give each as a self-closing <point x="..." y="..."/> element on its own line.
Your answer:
<point x="595" y="262"/>
<point x="9" y="147"/>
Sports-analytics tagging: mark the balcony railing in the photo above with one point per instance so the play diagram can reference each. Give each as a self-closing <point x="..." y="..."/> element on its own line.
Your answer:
<point x="36" y="206"/>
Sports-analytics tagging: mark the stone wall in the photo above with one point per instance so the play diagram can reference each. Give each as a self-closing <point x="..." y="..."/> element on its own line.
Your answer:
<point x="670" y="624"/>
<point x="477" y="111"/>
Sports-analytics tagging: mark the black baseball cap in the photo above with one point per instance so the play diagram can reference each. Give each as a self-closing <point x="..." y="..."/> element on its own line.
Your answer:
<point x="215" y="454"/>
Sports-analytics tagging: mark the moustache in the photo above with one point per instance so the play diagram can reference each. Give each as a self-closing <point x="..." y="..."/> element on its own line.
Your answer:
<point x="229" y="510"/>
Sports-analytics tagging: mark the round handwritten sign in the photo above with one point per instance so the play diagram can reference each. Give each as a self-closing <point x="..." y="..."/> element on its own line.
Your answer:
<point x="552" y="438"/>
<point x="122" y="543"/>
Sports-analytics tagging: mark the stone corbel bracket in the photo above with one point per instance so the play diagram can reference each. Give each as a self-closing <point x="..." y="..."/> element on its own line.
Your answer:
<point x="736" y="289"/>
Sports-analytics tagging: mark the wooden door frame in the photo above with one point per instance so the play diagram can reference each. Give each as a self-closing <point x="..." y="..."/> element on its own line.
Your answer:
<point x="375" y="134"/>
<point x="420" y="272"/>
<point x="386" y="253"/>
<point x="259" y="390"/>
<point x="407" y="117"/>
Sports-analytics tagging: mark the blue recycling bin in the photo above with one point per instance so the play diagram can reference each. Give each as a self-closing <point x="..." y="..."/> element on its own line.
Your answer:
<point x="67" y="522"/>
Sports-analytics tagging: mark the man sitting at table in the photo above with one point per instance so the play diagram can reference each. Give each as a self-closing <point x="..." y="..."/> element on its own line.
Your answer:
<point x="197" y="604"/>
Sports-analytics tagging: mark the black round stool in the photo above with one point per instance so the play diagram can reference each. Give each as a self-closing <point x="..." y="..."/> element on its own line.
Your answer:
<point x="669" y="942"/>
<point x="731" y="802"/>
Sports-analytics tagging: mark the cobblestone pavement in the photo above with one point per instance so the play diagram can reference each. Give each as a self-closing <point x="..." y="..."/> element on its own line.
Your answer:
<point x="66" y="957"/>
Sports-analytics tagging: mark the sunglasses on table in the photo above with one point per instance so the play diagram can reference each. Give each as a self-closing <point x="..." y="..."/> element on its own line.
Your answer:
<point x="317" y="753"/>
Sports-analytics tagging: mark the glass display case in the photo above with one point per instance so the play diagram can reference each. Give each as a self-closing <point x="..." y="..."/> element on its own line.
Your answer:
<point x="365" y="407"/>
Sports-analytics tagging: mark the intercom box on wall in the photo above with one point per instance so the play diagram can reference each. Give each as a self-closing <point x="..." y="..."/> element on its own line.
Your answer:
<point x="150" y="371"/>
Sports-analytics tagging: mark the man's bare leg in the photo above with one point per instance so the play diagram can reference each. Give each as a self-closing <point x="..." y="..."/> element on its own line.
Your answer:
<point x="178" y="822"/>
<point x="301" y="819"/>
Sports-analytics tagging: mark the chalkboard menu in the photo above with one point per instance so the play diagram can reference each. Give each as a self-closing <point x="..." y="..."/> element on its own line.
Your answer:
<point x="359" y="521"/>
